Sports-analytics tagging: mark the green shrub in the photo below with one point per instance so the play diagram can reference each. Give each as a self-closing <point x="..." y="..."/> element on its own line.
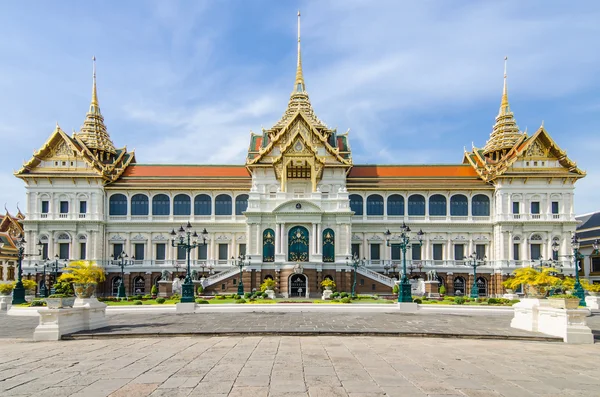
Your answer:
<point x="443" y="290"/>
<point x="38" y="302"/>
<point x="6" y="289"/>
<point x="252" y="300"/>
<point x="345" y="299"/>
<point x="563" y="296"/>
<point x="202" y="301"/>
<point x="247" y="295"/>
<point x="137" y="302"/>
<point x="335" y="295"/>
<point x="493" y="301"/>
<point x="160" y="301"/>
<point x="459" y="300"/>
<point x="513" y="301"/>
<point x="64" y="287"/>
<point x="219" y="297"/>
<point x="175" y="297"/>
<point x="57" y="296"/>
<point x="154" y="290"/>
<point x="344" y="295"/>
<point x="482" y="300"/>
<point x="233" y="296"/>
<point x="449" y="298"/>
<point x="335" y="300"/>
<point x="241" y="300"/>
<point x="200" y="290"/>
<point x="137" y="297"/>
<point x="265" y="295"/>
<point x="418" y="300"/>
<point x="395" y="289"/>
<point x="147" y="296"/>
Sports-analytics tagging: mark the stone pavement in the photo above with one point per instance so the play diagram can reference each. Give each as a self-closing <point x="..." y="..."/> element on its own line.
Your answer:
<point x="325" y="366"/>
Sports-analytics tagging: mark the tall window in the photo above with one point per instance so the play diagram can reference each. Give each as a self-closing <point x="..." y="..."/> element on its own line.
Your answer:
<point x="517" y="252"/>
<point x="139" y="285"/>
<point x="328" y="245"/>
<point x="480" y="251"/>
<point x="223" y="204"/>
<point x="298" y="244"/>
<point x="356" y="204"/>
<point x="438" y="250"/>
<point x="202" y="205"/>
<point x="459" y="252"/>
<point x="139" y="204"/>
<point x="416" y="252"/>
<point x="83" y="207"/>
<point x="459" y="205"/>
<point x="375" y="252"/>
<point x="416" y="205"/>
<point x="223" y="252"/>
<point x="395" y="205"/>
<point x="82" y="249"/>
<point x="139" y="251"/>
<point x="535" y="251"/>
<point x="181" y="253"/>
<point x="437" y="205"/>
<point x="45" y="206"/>
<point x="396" y="252"/>
<point x="595" y="264"/>
<point x="535" y="207"/>
<point x="161" y="251"/>
<point x="117" y="249"/>
<point x="242" y="249"/>
<point x="117" y="204"/>
<point x="63" y="249"/>
<point x="241" y="204"/>
<point x="182" y="205"/>
<point x="161" y="205"/>
<point x="202" y="252"/>
<point x="481" y="205"/>
<point x="555" y="207"/>
<point x="44" y="250"/>
<point x="268" y="245"/>
<point x="516" y="207"/>
<point x="374" y="205"/>
<point x="64" y="207"/>
<point x="355" y="250"/>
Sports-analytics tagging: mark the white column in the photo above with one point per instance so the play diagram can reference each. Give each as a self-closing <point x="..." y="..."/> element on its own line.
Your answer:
<point x="258" y="240"/>
<point x="211" y="254"/>
<point x="4" y="271"/>
<point x="319" y="239"/>
<point x="277" y="238"/>
<point x="511" y="247"/>
<point x="314" y="239"/>
<point x="348" y="240"/>
<point x="282" y="240"/>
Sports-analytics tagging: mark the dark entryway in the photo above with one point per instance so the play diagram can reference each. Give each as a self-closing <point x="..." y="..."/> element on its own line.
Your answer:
<point x="298" y="285"/>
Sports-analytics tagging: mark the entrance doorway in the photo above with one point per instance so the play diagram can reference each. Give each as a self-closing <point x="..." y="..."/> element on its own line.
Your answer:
<point x="298" y="286"/>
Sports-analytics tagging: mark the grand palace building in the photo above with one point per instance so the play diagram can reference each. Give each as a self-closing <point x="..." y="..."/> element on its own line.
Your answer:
<point x="298" y="208"/>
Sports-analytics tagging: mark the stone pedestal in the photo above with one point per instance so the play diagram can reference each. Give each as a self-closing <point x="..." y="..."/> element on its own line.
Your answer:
<point x="592" y="302"/>
<point x="510" y="296"/>
<point x="270" y="293"/>
<point x="5" y="300"/>
<point x="432" y="289"/>
<point x="408" y="307"/>
<point x="165" y="288"/>
<point x="186" y="307"/>
<point x="525" y="315"/>
<point x="86" y="314"/>
<point x="327" y="294"/>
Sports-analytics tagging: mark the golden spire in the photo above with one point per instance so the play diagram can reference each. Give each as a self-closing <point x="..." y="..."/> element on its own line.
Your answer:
<point x="93" y="131"/>
<point x="505" y="132"/>
<point x="299" y="84"/>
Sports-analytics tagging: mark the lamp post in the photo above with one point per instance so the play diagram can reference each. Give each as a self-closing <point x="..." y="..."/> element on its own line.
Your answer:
<point x="578" y="289"/>
<point x="43" y="289"/>
<point x="239" y="262"/>
<point x="356" y="262"/>
<point x="187" y="239"/>
<point x="54" y="267"/>
<point x="122" y="261"/>
<point x="19" y="290"/>
<point x="404" y="294"/>
<point x="474" y="262"/>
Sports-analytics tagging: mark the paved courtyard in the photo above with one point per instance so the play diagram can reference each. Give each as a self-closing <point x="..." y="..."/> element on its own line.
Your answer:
<point x="290" y="366"/>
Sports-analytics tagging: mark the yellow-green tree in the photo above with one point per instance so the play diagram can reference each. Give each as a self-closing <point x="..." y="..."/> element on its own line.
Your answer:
<point x="83" y="272"/>
<point x="534" y="281"/>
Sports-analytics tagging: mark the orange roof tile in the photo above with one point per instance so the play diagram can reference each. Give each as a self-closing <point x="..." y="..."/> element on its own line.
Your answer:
<point x="208" y="171"/>
<point x="412" y="171"/>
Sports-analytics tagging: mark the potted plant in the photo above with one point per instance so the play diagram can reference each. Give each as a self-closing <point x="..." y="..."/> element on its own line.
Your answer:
<point x="6" y="289"/>
<point x="328" y="284"/>
<point x="85" y="276"/>
<point x="564" y="301"/>
<point x="268" y="286"/>
<point x="592" y="289"/>
<point x="536" y="284"/>
<point x="154" y="291"/>
<point x="59" y="301"/>
<point x="442" y="290"/>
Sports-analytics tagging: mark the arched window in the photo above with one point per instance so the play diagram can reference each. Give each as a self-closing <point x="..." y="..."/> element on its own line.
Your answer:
<point x="374" y="205"/>
<point x="223" y="204"/>
<point x="459" y="286"/>
<point x="328" y="245"/>
<point x="117" y="204"/>
<point x="416" y="205"/>
<point x="437" y="205"/>
<point x="298" y="244"/>
<point x="241" y="204"/>
<point x="482" y="286"/>
<point x="161" y="205"/>
<point x="116" y="281"/>
<point x="481" y="205"/>
<point x="202" y="205"/>
<point x="268" y="245"/>
<point x="459" y="205"/>
<point x="356" y="204"/>
<point x="139" y="285"/>
<point x="139" y="204"/>
<point x="182" y="205"/>
<point x="395" y="205"/>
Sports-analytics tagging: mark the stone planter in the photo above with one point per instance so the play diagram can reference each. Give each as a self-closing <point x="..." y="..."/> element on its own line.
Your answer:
<point x="84" y="291"/>
<point x="564" y="303"/>
<point x="591" y="293"/>
<point x="60" y="303"/>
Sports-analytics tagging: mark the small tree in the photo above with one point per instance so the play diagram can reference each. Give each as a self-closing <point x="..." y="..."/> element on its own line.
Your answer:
<point x="83" y="272"/>
<point x="268" y="284"/>
<point x="534" y="282"/>
<point x="154" y="290"/>
<point x="200" y="290"/>
<point x="328" y="284"/>
<point x="442" y="290"/>
<point x="395" y="289"/>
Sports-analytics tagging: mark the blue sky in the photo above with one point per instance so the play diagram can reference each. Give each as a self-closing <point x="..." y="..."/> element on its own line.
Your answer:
<point x="186" y="81"/>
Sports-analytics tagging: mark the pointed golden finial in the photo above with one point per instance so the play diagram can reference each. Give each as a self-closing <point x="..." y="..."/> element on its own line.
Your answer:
<point x="94" y="92"/>
<point x="504" y="103"/>
<point x="542" y="126"/>
<point x="299" y="84"/>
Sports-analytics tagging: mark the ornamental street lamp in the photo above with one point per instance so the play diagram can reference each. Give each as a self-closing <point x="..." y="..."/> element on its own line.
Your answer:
<point x="473" y="261"/>
<point x="53" y="265"/>
<point x="188" y="240"/>
<point x="390" y="268"/>
<point x="19" y="290"/>
<point x="356" y="262"/>
<point x="578" y="289"/>
<point x="43" y="289"/>
<point x="122" y="261"/>
<point x="239" y="262"/>
<point x="404" y="294"/>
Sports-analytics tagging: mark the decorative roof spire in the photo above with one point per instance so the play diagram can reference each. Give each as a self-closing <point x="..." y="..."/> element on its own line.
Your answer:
<point x="505" y="132"/>
<point x="299" y="86"/>
<point x="93" y="131"/>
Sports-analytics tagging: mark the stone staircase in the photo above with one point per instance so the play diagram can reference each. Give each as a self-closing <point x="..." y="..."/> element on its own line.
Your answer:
<point x="376" y="276"/>
<point x="215" y="278"/>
